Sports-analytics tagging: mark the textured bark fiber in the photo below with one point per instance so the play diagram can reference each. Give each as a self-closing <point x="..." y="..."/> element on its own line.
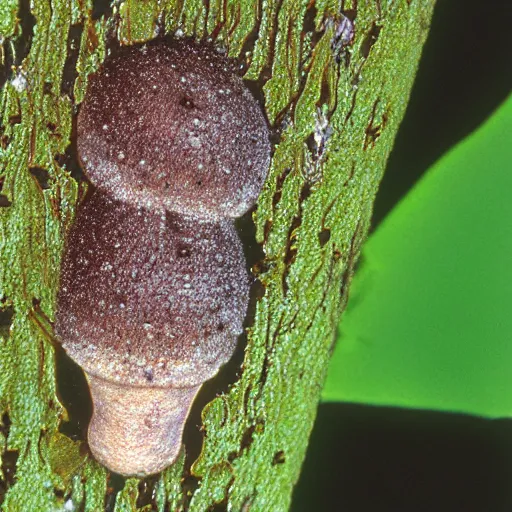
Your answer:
<point x="334" y="99"/>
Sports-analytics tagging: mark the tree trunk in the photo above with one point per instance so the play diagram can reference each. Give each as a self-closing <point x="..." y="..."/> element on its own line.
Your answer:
<point x="335" y="93"/>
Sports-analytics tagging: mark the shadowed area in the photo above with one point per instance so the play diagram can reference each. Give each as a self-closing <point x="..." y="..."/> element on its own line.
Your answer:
<point x="464" y="74"/>
<point x="364" y="458"/>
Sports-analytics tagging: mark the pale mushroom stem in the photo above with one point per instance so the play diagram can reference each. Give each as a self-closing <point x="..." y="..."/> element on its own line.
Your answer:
<point x="136" y="430"/>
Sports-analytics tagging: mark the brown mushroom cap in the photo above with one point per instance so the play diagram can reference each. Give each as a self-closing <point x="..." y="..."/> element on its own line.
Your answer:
<point x="174" y="126"/>
<point x="148" y="298"/>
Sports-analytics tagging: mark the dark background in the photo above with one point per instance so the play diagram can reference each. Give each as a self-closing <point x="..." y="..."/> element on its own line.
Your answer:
<point x="364" y="458"/>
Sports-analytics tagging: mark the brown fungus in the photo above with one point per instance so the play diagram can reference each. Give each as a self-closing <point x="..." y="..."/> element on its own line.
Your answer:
<point x="153" y="284"/>
<point x="174" y="126"/>
<point x="151" y="304"/>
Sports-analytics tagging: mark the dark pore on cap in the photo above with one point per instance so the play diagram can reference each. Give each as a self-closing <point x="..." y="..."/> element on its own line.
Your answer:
<point x="174" y="126"/>
<point x="150" y="299"/>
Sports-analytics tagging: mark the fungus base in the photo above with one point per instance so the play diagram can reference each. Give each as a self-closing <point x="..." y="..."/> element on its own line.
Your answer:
<point x="135" y="430"/>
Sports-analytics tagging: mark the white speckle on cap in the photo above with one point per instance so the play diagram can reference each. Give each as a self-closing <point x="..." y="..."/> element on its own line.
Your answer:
<point x="195" y="142"/>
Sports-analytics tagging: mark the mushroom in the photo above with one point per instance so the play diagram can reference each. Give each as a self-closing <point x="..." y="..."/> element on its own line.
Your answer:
<point x="154" y="288"/>
<point x="174" y="126"/>
<point x="150" y="305"/>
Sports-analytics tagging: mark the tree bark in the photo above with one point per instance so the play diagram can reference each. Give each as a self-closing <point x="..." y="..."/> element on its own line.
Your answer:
<point x="334" y="92"/>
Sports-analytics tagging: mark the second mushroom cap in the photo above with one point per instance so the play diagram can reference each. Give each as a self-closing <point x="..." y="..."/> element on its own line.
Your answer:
<point x="152" y="299"/>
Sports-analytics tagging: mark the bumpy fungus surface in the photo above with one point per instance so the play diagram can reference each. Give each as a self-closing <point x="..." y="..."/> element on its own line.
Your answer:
<point x="154" y="288"/>
<point x="175" y="126"/>
<point x="150" y="298"/>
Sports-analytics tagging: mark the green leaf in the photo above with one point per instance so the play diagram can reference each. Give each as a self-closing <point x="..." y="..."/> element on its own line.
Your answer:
<point x="428" y="324"/>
